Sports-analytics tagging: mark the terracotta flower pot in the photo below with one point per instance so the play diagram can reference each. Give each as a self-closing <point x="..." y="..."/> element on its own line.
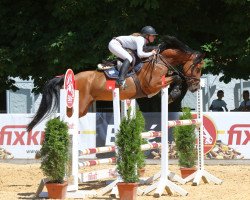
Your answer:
<point x="57" y="190"/>
<point x="127" y="191"/>
<point x="185" y="172"/>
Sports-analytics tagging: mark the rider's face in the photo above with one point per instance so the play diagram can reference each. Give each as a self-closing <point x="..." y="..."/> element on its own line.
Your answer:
<point x="151" y="38"/>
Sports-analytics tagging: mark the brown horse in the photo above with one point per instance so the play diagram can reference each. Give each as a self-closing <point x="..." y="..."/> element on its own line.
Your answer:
<point x="92" y="84"/>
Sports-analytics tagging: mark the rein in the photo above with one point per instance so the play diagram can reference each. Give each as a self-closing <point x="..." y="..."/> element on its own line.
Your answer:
<point x="174" y="69"/>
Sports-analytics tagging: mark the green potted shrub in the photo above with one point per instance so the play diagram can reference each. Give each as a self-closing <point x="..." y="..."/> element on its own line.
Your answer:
<point x="129" y="155"/>
<point x="141" y="160"/>
<point x="185" y="140"/>
<point x="54" y="156"/>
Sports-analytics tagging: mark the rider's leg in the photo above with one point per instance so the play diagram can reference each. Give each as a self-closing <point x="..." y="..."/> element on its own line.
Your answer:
<point x="116" y="48"/>
<point x="123" y="72"/>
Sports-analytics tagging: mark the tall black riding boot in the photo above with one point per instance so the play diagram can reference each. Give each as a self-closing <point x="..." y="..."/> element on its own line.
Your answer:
<point x="123" y="72"/>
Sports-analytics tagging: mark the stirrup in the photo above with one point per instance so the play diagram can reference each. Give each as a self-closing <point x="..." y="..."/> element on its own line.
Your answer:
<point x="122" y="84"/>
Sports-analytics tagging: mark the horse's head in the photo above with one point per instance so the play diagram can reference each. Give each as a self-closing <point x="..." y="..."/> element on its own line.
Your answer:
<point x="192" y="71"/>
<point x="177" y="53"/>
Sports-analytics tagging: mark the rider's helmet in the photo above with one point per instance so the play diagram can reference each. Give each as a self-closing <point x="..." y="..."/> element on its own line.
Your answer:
<point x="148" y="30"/>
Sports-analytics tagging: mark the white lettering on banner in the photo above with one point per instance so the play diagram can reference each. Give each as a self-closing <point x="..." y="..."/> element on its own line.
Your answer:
<point x="239" y="130"/>
<point x="207" y="137"/>
<point x="17" y="135"/>
<point x="153" y="126"/>
<point x="110" y="138"/>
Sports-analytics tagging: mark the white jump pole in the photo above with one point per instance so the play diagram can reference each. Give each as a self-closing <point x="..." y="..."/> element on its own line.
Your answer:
<point x="73" y="132"/>
<point x="73" y="122"/>
<point x="116" y="108"/>
<point x="69" y="99"/>
<point x="165" y="174"/>
<point x="126" y="104"/>
<point x="70" y="94"/>
<point x="72" y="176"/>
<point x="117" y="121"/>
<point x="201" y="173"/>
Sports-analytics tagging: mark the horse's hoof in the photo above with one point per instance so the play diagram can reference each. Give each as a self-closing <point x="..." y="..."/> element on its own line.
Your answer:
<point x="174" y="94"/>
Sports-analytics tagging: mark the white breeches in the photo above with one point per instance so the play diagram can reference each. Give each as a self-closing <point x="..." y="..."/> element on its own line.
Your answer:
<point x="116" y="48"/>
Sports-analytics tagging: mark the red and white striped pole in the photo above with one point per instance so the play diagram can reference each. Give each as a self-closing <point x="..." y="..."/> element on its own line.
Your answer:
<point x="98" y="150"/>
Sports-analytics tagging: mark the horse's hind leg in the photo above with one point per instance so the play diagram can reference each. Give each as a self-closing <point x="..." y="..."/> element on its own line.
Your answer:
<point x="84" y="104"/>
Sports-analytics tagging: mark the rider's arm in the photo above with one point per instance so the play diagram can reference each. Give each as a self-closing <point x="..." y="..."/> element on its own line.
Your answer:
<point x="140" y="41"/>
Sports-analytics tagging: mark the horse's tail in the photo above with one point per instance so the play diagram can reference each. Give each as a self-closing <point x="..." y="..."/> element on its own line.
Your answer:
<point x="50" y="101"/>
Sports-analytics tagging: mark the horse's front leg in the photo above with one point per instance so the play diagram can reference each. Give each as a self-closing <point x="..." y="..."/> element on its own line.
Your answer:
<point x="176" y="79"/>
<point x="175" y="87"/>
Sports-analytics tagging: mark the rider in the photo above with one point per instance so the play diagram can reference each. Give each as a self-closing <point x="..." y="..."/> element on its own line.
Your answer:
<point x="136" y="42"/>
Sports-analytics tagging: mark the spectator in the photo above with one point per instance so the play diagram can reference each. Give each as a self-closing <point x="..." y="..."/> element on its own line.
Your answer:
<point x="218" y="104"/>
<point x="244" y="105"/>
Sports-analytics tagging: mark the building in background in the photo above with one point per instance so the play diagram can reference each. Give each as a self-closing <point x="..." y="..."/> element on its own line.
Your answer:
<point x="232" y="92"/>
<point x="22" y="100"/>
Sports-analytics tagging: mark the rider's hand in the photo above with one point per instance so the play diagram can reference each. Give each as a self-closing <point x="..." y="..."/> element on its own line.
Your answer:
<point x="154" y="52"/>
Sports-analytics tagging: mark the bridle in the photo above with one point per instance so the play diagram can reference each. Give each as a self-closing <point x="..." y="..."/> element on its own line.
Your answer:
<point x="178" y="70"/>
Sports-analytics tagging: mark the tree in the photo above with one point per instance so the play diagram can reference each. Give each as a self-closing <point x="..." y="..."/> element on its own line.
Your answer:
<point x="43" y="38"/>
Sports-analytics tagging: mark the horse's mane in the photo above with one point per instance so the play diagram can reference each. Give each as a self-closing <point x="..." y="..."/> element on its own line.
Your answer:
<point x="171" y="42"/>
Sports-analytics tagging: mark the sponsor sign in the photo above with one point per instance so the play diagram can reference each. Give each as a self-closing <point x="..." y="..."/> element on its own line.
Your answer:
<point x="209" y="134"/>
<point x="226" y="135"/>
<point x="21" y="144"/>
<point x="16" y="140"/>
<point x="69" y="86"/>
